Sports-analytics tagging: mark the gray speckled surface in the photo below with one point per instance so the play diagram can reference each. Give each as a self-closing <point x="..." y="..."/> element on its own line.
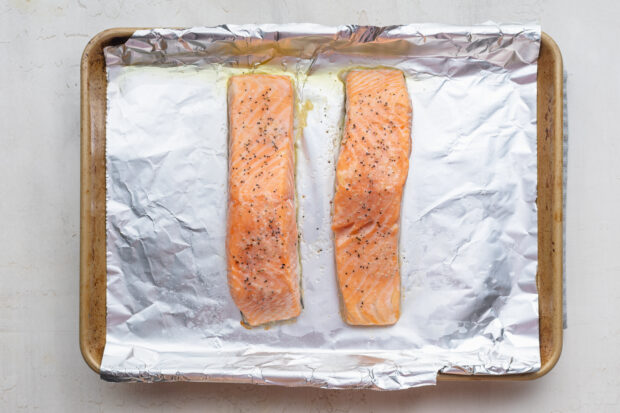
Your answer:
<point x="40" y="363"/>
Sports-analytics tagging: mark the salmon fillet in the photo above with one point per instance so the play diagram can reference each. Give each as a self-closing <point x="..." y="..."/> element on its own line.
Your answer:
<point x="263" y="262"/>
<point x="371" y="172"/>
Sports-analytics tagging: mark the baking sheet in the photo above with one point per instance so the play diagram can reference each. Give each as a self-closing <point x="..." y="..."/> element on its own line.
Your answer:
<point x="468" y="243"/>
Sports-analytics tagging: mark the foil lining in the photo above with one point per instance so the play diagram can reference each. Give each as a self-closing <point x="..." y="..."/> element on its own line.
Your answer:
<point x="469" y="220"/>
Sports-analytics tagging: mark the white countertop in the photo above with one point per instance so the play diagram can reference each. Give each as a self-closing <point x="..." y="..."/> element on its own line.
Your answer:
<point x="40" y="363"/>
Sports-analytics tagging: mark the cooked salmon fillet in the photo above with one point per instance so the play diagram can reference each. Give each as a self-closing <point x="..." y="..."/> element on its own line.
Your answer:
<point x="370" y="175"/>
<point x="263" y="262"/>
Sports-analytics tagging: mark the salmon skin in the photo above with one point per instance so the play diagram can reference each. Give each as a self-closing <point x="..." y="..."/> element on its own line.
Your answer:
<point x="371" y="172"/>
<point x="262" y="255"/>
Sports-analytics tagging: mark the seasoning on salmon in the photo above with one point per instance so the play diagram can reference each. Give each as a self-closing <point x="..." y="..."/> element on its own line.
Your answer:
<point x="370" y="175"/>
<point x="263" y="262"/>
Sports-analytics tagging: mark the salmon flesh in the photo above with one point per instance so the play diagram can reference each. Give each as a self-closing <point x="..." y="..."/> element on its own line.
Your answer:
<point x="262" y="254"/>
<point x="371" y="172"/>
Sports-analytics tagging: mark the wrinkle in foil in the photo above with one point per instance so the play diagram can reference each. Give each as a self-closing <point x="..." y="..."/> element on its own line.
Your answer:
<point x="469" y="223"/>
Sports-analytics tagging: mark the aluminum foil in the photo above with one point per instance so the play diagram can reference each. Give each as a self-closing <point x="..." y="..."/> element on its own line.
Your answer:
<point x="469" y="221"/>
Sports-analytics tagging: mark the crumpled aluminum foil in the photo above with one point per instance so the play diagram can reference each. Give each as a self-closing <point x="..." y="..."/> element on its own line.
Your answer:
<point x="469" y="220"/>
